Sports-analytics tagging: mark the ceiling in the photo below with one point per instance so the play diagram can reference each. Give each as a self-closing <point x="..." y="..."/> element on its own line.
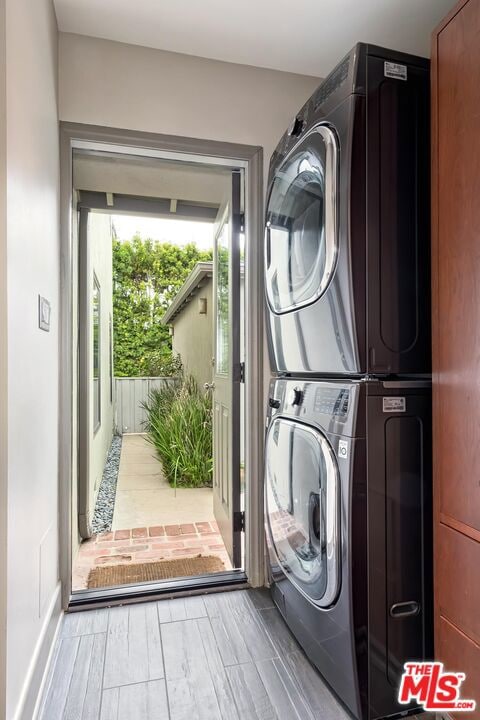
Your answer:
<point x="305" y="36"/>
<point x="148" y="177"/>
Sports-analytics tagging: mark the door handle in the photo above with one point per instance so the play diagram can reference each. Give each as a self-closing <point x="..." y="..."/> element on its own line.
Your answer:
<point x="315" y="521"/>
<point x="268" y="251"/>
<point x="405" y="609"/>
<point x="209" y="386"/>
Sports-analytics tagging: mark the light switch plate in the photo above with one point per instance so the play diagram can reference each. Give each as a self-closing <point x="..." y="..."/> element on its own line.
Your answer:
<point x="44" y="313"/>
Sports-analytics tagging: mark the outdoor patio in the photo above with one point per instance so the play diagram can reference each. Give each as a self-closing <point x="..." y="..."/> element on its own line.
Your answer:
<point x="152" y="521"/>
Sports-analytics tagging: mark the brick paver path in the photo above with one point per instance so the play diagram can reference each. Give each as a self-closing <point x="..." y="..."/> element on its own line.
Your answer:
<point x="144" y="544"/>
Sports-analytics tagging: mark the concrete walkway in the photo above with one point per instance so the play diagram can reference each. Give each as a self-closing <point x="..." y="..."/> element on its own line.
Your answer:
<point x="151" y="520"/>
<point x="144" y="497"/>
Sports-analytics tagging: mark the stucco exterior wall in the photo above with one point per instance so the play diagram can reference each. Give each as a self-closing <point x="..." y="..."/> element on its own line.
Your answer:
<point x="193" y="336"/>
<point x="100" y="238"/>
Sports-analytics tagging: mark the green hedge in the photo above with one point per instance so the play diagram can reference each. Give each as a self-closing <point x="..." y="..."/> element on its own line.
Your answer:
<point x="146" y="277"/>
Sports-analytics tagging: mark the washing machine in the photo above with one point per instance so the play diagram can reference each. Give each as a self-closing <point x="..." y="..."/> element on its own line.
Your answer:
<point x="348" y="512"/>
<point x="347" y="259"/>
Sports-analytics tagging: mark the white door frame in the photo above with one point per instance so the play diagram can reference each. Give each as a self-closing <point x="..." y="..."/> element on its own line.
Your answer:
<point x="90" y="137"/>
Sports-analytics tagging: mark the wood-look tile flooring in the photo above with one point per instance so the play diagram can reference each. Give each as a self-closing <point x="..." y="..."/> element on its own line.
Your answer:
<point x="224" y="656"/>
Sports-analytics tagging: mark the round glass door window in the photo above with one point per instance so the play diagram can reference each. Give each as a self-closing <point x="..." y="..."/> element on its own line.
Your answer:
<point x="300" y="232"/>
<point x="302" y="508"/>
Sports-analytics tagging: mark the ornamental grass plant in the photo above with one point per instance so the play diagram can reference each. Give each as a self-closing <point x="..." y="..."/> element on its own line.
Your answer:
<point x="179" y="425"/>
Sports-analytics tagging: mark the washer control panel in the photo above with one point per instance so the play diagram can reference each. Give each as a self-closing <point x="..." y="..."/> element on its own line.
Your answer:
<point x="295" y="396"/>
<point x="330" y="405"/>
<point x="332" y="401"/>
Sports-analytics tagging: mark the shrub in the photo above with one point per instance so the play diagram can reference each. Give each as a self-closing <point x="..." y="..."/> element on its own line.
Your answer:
<point x="179" y="425"/>
<point x="162" y="363"/>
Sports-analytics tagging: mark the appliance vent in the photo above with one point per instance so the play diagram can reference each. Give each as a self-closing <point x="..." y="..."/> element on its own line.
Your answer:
<point x="333" y="81"/>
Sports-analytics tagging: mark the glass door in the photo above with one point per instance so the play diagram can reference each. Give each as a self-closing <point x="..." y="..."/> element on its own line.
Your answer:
<point x="226" y="374"/>
<point x="300" y="232"/>
<point x="302" y="508"/>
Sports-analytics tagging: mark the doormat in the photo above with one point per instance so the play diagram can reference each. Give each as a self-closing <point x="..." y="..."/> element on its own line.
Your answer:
<point x="111" y="575"/>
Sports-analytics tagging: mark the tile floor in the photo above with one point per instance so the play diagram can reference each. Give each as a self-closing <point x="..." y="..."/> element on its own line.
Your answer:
<point x="226" y="656"/>
<point x="223" y="656"/>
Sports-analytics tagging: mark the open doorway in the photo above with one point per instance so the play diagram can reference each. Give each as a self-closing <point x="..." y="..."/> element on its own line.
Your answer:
<point x="160" y="403"/>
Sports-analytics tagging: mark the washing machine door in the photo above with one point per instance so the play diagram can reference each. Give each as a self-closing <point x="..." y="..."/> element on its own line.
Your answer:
<point x="300" y="233"/>
<point x="302" y="508"/>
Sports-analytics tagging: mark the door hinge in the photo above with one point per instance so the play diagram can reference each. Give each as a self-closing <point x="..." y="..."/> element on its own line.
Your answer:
<point x="239" y="521"/>
<point x="242" y="372"/>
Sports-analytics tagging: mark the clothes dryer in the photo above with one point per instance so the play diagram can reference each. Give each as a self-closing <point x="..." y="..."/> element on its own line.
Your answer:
<point x="347" y="259"/>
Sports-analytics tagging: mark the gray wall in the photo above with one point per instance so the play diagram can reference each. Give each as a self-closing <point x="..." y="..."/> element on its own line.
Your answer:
<point x="32" y="232"/>
<point x="132" y="87"/>
<point x="193" y="336"/>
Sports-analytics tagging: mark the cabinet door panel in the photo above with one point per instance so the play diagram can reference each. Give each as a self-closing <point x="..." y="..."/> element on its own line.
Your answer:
<point x="457" y="357"/>
<point x="461" y="654"/>
<point x="459" y="580"/>
<point x="456" y="341"/>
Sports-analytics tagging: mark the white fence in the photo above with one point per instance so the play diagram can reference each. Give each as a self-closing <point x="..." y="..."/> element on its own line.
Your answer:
<point x="130" y="393"/>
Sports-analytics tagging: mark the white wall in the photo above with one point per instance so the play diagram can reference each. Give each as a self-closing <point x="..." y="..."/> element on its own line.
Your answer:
<point x="3" y="361"/>
<point x="132" y="87"/>
<point x="32" y="267"/>
<point x="100" y="239"/>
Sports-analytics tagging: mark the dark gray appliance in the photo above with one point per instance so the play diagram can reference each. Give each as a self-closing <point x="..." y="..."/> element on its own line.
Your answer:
<point x="347" y="223"/>
<point x="348" y="526"/>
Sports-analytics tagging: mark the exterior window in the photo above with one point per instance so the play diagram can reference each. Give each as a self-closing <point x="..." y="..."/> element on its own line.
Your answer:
<point x="96" y="340"/>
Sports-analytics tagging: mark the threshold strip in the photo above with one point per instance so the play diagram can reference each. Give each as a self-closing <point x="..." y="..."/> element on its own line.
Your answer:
<point x="143" y="592"/>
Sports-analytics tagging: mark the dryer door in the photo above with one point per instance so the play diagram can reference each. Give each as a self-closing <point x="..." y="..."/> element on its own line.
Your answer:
<point x="302" y="508"/>
<point x="300" y="232"/>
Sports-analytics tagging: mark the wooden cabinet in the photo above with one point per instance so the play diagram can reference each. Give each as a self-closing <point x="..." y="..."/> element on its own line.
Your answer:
<point x="456" y="341"/>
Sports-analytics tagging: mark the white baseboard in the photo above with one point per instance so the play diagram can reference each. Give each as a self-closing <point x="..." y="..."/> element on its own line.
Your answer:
<point x="30" y="699"/>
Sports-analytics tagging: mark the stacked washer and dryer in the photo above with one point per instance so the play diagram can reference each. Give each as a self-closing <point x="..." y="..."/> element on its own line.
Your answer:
<point x="348" y="445"/>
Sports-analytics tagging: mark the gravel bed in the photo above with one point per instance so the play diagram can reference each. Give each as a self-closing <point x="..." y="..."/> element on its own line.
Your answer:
<point x="105" y="505"/>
